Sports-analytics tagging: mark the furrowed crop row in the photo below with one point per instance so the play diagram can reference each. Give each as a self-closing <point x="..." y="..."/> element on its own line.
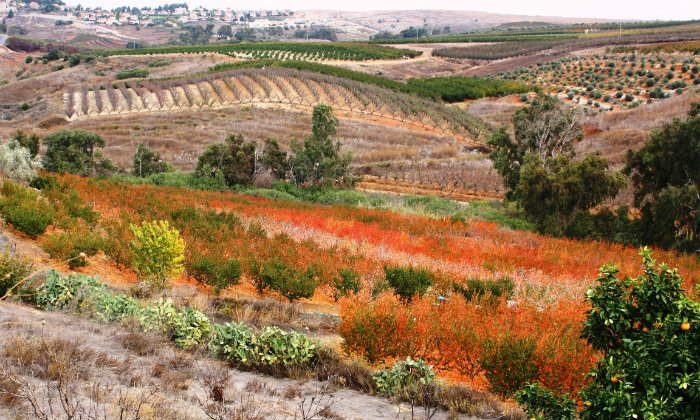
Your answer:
<point x="276" y="85"/>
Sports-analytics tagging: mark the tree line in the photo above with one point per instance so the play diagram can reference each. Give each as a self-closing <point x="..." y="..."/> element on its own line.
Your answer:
<point x="316" y="161"/>
<point x="563" y="195"/>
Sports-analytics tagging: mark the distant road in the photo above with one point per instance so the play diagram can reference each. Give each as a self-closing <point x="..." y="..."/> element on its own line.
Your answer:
<point x="3" y="38"/>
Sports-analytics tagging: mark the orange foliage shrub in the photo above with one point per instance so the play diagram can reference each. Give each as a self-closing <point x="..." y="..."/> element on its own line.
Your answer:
<point x="451" y="336"/>
<point x="550" y="275"/>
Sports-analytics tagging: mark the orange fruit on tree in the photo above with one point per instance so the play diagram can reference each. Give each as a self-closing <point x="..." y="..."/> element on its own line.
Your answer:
<point x="614" y="379"/>
<point x="685" y="326"/>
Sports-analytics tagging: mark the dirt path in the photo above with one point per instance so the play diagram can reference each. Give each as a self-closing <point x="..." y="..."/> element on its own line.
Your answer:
<point x="175" y="374"/>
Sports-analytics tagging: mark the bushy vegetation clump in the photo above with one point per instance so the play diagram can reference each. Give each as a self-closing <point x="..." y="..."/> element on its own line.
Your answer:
<point x="17" y="162"/>
<point x="646" y="330"/>
<point x="542" y="404"/>
<point x="75" y="152"/>
<point x="217" y="274"/>
<point x="407" y="282"/>
<point x="14" y="270"/>
<point x="158" y="252"/>
<point x="25" y="209"/>
<point x="147" y="162"/>
<point x="404" y="377"/>
<point x="539" y="170"/>
<point x="132" y="74"/>
<point x="478" y="289"/>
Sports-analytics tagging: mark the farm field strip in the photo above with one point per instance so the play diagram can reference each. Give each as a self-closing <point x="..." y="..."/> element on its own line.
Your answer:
<point x="284" y="51"/>
<point x="606" y="80"/>
<point x="558" y="268"/>
<point x="284" y="87"/>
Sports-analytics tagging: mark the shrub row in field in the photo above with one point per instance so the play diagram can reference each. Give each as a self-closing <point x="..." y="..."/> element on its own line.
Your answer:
<point x="305" y="50"/>
<point x="449" y="89"/>
<point x="494" y="51"/>
<point x="459" y="88"/>
<point x="269" y="350"/>
<point x="480" y="339"/>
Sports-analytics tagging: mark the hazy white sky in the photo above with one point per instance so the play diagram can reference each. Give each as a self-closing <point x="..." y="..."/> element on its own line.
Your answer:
<point x="613" y="9"/>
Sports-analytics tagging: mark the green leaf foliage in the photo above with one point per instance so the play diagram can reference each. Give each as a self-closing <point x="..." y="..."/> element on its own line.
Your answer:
<point x="541" y="404"/>
<point x="148" y="162"/>
<point x="666" y="177"/>
<point x="407" y="282"/>
<point x="157" y="252"/>
<point x="318" y="162"/>
<point x="25" y="209"/>
<point x="234" y="160"/>
<point x="404" y="377"/>
<point x="646" y="330"/>
<point x="75" y="151"/>
<point x="508" y="363"/>
<point x="73" y="290"/>
<point x="552" y="192"/>
<point x="13" y="269"/>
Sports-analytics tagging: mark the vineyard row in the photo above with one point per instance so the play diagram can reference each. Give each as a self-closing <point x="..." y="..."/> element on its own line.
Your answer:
<point x="274" y="86"/>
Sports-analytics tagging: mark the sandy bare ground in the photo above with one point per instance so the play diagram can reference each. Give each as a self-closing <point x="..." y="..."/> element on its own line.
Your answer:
<point x="125" y="371"/>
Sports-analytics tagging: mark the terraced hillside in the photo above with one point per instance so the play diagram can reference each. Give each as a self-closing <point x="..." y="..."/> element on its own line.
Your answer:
<point x="274" y="86"/>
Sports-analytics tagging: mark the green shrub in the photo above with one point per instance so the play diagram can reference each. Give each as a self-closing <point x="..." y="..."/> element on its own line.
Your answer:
<point x="108" y="307"/>
<point x="278" y="276"/>
<point x="345" y="283"/>
<point x="161" y="63"/>
<point x="647" y="333"/>
<point x="404" y="377"/>
<point x="159" y="316"/>
<point x="216" y="274"/>
<point x="157" y="252"/>
<point x="75" y="151"/>
<point x="25" y="106"/>
<point x="13" y="269"/>
<point x="508" y="363"/>
<point x="190" y="328"/>
<point x="407" y="282"/>
<point x="233" y="342"/>
<point x="25" y="209"/>
<point x="70" y="245"/>
<point x="274" y="349"/>
<point x="478" y="288"/>
<point x="72" y="290"/>
<point x="132" y="73"/>
<point x="541" y="404"/>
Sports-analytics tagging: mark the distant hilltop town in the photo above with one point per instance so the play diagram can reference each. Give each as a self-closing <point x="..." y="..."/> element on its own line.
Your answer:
<point x="147" y="16"/>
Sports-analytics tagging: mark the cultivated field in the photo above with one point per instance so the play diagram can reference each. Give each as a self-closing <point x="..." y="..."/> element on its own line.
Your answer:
<point x="271" y="86"/>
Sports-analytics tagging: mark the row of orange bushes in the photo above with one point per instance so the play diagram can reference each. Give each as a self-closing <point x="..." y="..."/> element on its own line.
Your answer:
<point x="476" y="341"/>
<point x="487" y="343"/>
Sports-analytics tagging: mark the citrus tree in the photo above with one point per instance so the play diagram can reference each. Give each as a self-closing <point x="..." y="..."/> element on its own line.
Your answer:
<point x="158" y="252"/>
<point x="648" y="334"/>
